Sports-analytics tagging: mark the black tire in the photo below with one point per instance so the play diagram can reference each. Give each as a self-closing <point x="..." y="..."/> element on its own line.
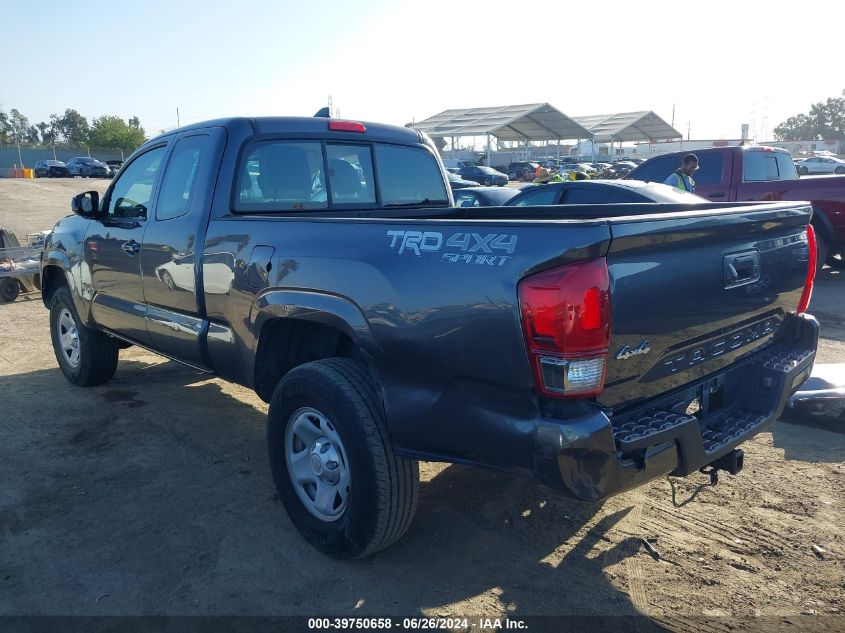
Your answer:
<point x="384" y="488"/>
<point x="98" y="353"/>
<point x="840" y="170"/>
<point x="167" y="280"/>
<point x="9" y="289"/>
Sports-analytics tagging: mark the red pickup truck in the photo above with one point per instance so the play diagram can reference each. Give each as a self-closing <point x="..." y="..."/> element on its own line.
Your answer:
<point x="756" y="172"/>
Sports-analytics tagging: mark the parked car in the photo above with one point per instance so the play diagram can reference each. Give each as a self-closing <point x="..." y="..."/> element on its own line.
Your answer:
<point x="601" y="192"/>
<point x="50" y="169"/>
<point x="518" y="170"/>
<point x="456" y="182"/>
<point x="486" y="176"/>
<point x="821" y="165"/>
<point x="584" y="167"/>
<point x="755" y="172"/>
<point x="404" y="329"/>
<point x="114" y="166"/>
<point x="484" y="196"/>
<point x="457" y="164"/>
<point x="87" y="168"/>
<point x="624" y="164"/>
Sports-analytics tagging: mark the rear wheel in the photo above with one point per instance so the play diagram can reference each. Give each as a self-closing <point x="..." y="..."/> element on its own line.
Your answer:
<point x="840" y="170"/>
<point x="333" y="463"/>
<point x="9" y="289"/>
<point x="86" y="357"/>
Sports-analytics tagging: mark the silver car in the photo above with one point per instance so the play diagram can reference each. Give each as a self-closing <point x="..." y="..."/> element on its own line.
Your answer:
<point x="821" y="165"/>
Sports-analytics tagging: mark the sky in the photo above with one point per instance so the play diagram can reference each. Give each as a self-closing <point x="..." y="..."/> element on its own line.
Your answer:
<point x="719" y="64"/>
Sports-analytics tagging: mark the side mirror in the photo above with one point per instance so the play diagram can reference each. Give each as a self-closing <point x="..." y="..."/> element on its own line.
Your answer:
<point x="86" y="204"/>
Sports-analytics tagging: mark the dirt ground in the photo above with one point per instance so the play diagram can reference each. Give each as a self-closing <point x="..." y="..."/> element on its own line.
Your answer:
<point x="152" y="495"/>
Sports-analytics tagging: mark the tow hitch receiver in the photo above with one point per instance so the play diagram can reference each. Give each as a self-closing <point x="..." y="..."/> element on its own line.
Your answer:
<point x="732" y="462"/>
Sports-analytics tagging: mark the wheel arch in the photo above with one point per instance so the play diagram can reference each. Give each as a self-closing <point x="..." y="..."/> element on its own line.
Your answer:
<point x="295" y="327"/>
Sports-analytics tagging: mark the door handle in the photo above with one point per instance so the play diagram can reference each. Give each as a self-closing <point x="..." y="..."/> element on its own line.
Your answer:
<point x="131" y="247"/>
<point x="718" y="194"/>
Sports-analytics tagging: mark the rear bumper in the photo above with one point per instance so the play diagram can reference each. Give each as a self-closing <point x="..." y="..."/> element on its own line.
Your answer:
<point x="596" y="456"/>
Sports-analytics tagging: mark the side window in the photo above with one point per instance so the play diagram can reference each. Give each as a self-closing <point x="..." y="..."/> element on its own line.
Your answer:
<point x="409" y="176"/>
<point x="543" y="195"/>
<point x="658" y="169"/>
<point x="709" y="169"/>
<point x="759" y="166"/>
<point x="351" y="174"/>
<point x="591" y="195"/>
<point x="130" y="194"/>
<point x="465" y="199"/>
<point x="177" y="185"/>
<point x="281" y="175"/>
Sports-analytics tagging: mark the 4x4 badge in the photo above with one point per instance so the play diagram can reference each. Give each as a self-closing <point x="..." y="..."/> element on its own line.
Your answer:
<point x="626" y="352"/>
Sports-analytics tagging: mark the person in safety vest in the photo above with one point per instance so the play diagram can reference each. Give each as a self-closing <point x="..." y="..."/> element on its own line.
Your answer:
<point x="578" y="175"/>
<point x="545" y="176"/>
<point x="682" y="178"/>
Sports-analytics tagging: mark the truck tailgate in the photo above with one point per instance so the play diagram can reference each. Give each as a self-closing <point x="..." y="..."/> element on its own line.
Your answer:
<point x="693" y="293"/>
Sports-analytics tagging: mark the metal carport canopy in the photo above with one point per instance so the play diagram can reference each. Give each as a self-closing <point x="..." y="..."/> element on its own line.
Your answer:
<point x="532" y="122"/>
<point x="628" y="127"/>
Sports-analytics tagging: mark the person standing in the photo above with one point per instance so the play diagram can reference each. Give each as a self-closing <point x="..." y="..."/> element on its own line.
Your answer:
<point x="681" y="178"/>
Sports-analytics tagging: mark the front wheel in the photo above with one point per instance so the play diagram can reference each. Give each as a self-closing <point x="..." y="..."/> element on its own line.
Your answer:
<point x="86" y="357"/>
<point x="333" y="464"/>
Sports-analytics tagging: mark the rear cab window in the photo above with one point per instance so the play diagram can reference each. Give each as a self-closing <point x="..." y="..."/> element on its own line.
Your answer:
<point x="293" y="175"/>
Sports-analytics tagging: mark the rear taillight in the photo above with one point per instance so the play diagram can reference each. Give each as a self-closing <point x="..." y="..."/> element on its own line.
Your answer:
<point x="566" y="321"/>
<point x="346" y="126"/>
<point x="812" y="251"/>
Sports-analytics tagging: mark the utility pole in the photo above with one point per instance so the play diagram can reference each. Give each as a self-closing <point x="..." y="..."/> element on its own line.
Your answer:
<point x="689" y="124"/>
<point x="673" y="115"/>
<point x="178" y="123"/>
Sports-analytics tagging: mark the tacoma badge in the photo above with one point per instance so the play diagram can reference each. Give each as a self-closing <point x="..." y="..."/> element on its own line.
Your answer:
<point x="626" y="352"/>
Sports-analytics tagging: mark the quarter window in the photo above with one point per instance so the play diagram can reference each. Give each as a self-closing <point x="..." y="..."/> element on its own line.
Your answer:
<point x="759" y="166"/>
<point x="180" y="177"/>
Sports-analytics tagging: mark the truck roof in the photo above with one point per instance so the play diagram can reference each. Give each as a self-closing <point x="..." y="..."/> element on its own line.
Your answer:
<point x="304" y="125"/>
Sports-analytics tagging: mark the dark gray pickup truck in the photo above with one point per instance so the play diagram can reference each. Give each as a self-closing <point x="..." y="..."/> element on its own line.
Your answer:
<point x="322" y="263"/>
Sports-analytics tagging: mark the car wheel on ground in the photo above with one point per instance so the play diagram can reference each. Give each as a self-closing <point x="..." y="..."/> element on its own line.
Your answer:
<point x="840" y="170"/>
<point x="333" y="464"/>
<point x="9" y="289"/>
<point x="167" y="279"/>
<point x="86" y="357"/>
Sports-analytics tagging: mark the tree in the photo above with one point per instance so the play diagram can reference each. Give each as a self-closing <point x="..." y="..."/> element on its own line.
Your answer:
<point x="112" y="131"/>
<point x="71" y="128"/>
<point x="5" y="129"/>
<point x="826" y="120"/>
<point x="48" y="134"/>
<point x="19" y="125"/>
<point x="796" y="128"/>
